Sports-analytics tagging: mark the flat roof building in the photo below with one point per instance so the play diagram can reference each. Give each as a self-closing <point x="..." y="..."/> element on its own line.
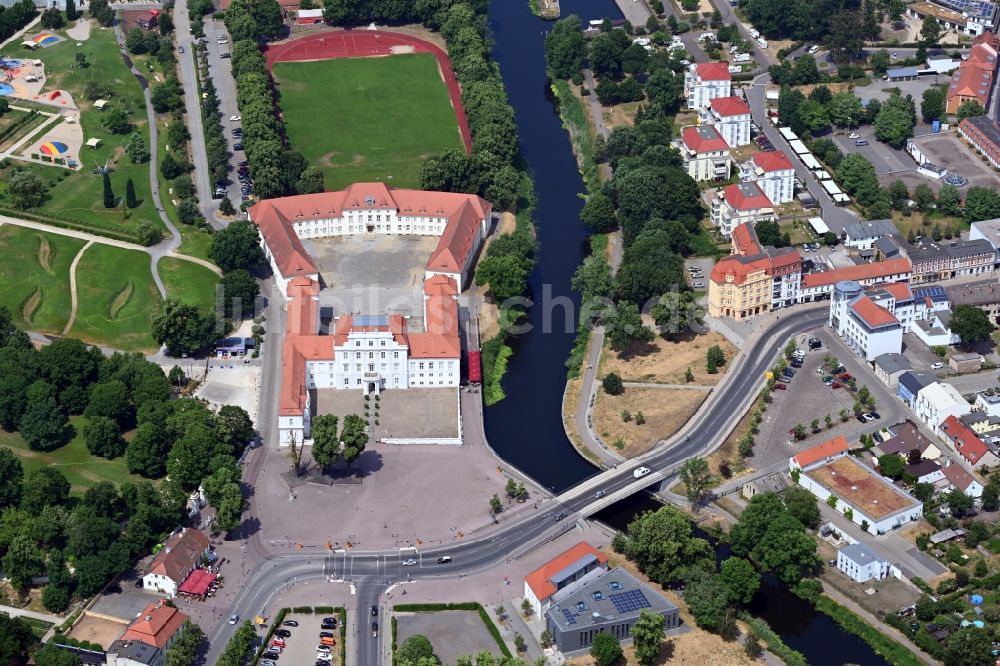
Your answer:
<point x="557" y="573"/>
<point x="861" y="563"/>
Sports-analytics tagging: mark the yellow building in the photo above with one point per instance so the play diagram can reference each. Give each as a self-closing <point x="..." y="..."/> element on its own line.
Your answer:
<point x="754" y="279"/>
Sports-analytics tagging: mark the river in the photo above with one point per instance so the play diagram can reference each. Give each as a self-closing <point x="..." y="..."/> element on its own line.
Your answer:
<point x="526" y="428"/>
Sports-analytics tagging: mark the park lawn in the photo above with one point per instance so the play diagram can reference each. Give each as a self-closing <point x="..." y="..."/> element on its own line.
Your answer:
<point x="82" y="469"/>
<point x="169" y="207"/>
<point x="34" y="277"/>
<point x="79" y="195"/>
<point x="117" y="299"/>
<point x="189" y="282"/>
<point x="195" y="242"/>
<point x="381" y="117"/>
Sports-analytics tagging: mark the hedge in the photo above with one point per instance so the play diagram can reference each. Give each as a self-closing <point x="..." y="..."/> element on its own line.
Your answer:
<point x="465" y="606"/>
<point x="75" y="225"/>
<point x="774" y="643"/>
<point x="892" y="651"/>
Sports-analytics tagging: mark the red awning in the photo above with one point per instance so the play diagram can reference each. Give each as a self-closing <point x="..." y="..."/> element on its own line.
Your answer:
<point x="197" y="583"/>
<point x="475" y="368"/>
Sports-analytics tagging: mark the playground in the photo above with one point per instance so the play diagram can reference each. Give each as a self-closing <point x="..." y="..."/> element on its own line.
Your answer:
<point x="58" y="144"/>
<point x="42" y="39"/>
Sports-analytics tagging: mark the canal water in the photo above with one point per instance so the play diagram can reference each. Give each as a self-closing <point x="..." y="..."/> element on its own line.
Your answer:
<point x="526" y="428"/>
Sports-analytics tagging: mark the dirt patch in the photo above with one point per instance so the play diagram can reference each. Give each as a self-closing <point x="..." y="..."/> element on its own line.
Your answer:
<point x="620" y="115"/>
<point x="666" y="361"/>
<point x="31" y="304"/>
<point x="44" y="254"/>
<point x="663" y="410"/>
<point x="419" y="31"/>
<point x="97" y="630"/>
<point x="121" y="299"/>
<point x="80" y="31"/>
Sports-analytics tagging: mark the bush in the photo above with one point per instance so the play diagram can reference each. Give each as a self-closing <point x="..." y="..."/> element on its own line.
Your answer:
<point x="612" y="384"/>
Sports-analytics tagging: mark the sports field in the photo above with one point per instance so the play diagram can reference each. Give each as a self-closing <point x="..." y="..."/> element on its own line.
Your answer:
<point x="189" y="282"/>
<point x="117" y="299"/>
<point x="367" y="119"/>
<point x="34" y="277"/>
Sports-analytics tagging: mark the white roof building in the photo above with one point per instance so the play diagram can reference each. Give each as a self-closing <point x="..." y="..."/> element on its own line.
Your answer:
<point x="936" y="402"/>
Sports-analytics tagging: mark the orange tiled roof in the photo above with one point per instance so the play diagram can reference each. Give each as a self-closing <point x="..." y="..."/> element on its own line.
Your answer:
<point x="746" y="196"/>
<point x="538" y="580"/>
<point x="730" y="106"/>
<point x="900" y="291"/>
<point x="745" y="240"/>
<point x="156" y="625"/>
<point x="772" y="161"/>
<point x="827" y="449"/>
<point x="179" y="555"/>
<point x="703" y="139"/>
<point x="860" y="272"/>
<point x="966" y="442"/>
<point x="713" y="71"/>
<point x="872" y="313"/>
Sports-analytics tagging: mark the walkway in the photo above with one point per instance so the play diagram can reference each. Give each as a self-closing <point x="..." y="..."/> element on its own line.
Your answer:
<point x="360" y="43"/>
<point x="34" y="615"/>
<point x="683" y="387"/>
<point x="72" y="287"/>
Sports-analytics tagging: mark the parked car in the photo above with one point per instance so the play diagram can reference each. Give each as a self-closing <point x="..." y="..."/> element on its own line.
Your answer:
<point x="698" y="285"/>
<point x="325" y="649"/>
<point x="325" y="634"/>
<point x="277" y="642"/>
<point x="268" y="662"/>
<point x="290" y="623"/>
<point x="875" y="415"/>
<point x="283" y="633"/>
<point x="844" y="376"/>
<point x="237" y="146"/>
<point x="271" y="654"/>
<point x="233" y="619"/>
<point x="853" y="135"/>
<point x="861" y="142"/>
<point x="835" y="385"/>
<point x="780" y="387"/>
<point x="235" y="119"/>
<point x="937" y="366"/>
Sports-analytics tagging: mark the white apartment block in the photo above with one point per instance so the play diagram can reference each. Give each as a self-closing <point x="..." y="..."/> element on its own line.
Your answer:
<point x="704" y="153"/>
<point x="731" y="117"/>
<point x="706" y="81"/>
<point x="936" y="402"/>
<point x="868" y="327"/>
<point x="774" y="174"/>
<point x="740" y="203"/>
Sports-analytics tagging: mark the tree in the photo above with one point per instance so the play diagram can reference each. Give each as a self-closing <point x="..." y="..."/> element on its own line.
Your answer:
<point x="11" y="478"/>
<point x="506" y="275"/>
<point x="25" y="190"/>
<point x="598" y="213"/>
<point x="110" y="201"/>
<point x="623" y="325"/>
<point x="326" y="442"/>
<point x="354" y="437"/>
<point x="71" y="13"/>
<point x="23" y="562"/>
<point x="240" y="291"/>
<point x="958" y="502"/>
<point x="969" y="646"/>
<point x="310" y="181"/>
<point x="932" y="104"/>
<point x="237" y="246"/>
<point x="606" y="649"/>
<point x="182" y="328"/>
<point x="981" y="203"/>
<point x="845" y="110"/>
<point x="715" y="357"/>
<point x="894" y="122"/>
<point x="116" y="121"/>
<point x="696" y="477"/>
<point x="413" y="649"/>
<point x="147" y="233"/>
<point x="130" y="199"/>
<point x="662" y="544"/>
<point x="971" y="324"/>
<point x="647" y="635"/>
<point x="110" y="399"/>
<point x="44" y="487"/>
<point x="612" y="384"/>
<point x="44" y="426"/>
<point x="103" y="437"/>
<point x="186" y="461"/>
<point x="495" y="505"/>
<point x="785" y="549"/>
<point x="991" y="496"/>
<point x="229" y="509"/>
<point x="930" y="31"/>
<point x="969" y="109"/>
<point x="708" y="598"/>
<point x="564" y="48"/>
<point x="891" y="465"/>
<point x="15" y="638"/>
<point x="880" y="62"/>
<point x="185" y="650"/>
<point x="593" y="277"/>
<point x="803" y="505"/>
<point x="740" y="578"/>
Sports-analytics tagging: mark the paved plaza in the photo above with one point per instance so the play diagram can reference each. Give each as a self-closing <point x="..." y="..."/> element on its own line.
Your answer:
<point x="947" y="150"/>
<point x="380" y="261"/>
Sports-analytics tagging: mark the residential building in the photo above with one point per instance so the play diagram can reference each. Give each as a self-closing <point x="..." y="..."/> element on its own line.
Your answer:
<point x="865" y="322"/>
<point x="983" y="134"/>
<point x="754" y="279"/>
<point x="861" y="563"/>
<point x="988" y="230"/>
<point x="706" y="81"/>
<point x="969" y="17"/>
<point x="876" y="505"/>
<point x="932" y="260"/>
<point x="925" y="471"/>
<point x="906" y="438"/>
<point x="367" y="352"/>
<point x="959" y="479"/>
<point x="148" y="637"/>
<point x="774" y="174"/>
<point x="986" y="297"/>
<point x="888" y="367"/>
<point x="934" y="331"/>
<point x="731" y="117"/>
<point x="740" y="203"/>
<point x="862" y="235"/>
<point x="181" y="554"/>
<point x="980" y="422"/>
<point x="939" y="401"/>
<point x="828" y="451"/>
<point x="973" y="80"/>
<point x="967" y="444"/>
<point x="559" y="572"/>
<point x="817" y="286"/>
<point x="603" y="601"/>
<point x="949" y="19"/>
<point x="704" y="153"/>
<point x="460" y="221"/>
<point x="911" y="383"/>
<point x="970" y="362"/>
<point x="989" y="402"/>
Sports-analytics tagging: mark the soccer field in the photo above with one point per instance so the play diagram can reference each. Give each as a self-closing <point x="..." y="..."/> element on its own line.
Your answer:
<point x="367" y="119"/>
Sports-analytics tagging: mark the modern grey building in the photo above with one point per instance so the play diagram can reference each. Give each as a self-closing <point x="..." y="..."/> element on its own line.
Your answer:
<point x="861" y="563"/>
<point x="603" y="601"/>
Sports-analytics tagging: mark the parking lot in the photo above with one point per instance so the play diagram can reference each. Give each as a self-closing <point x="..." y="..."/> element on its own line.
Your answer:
<point x="300" y="646"/>
<point x="885" y="159"/>
<point x="696" y="272"/>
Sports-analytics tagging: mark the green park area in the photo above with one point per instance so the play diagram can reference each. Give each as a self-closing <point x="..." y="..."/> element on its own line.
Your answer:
<point x="189" y="282"/>
<point x="78" y="465"/>
<point x="381" y="117"/>
<point x="78" y="195"/>
<point x="117" y="299"/>
<point x="34" y="277"/>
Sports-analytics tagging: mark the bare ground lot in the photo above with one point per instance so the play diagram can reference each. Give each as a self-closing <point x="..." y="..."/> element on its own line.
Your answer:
<point x="664" y="410"/>
<point x="949" y="151"/>
<point x="381" y="261"/>
<point x="665" y="361"/>
<point x="451" y="633"/>
<point x="97" y="630"/>
<point x="409" y="413"/>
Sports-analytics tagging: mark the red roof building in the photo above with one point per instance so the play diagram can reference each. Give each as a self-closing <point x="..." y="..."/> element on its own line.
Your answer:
<point x="966" y="443"/>
<point x="774" y="160"/>
<point x="180" y="555"/>
<point x="703" y="139"/>
<point x="973" y="80"/>
<point x="738" y="204"/>
<point x="893" y="270"/>
<point x="727" y="107"/>
<point x="157" y="625"/>
<point x="713" y="71"/>
<point x="825" y="452"/>
<point x="543" y="582"/>
<point x="873" y="314"/>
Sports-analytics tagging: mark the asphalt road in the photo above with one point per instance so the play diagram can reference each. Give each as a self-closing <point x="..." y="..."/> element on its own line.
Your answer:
<point x="373" y="572"/>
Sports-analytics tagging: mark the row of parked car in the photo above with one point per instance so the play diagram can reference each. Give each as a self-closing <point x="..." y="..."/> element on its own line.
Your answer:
<point x="281" y="637"/>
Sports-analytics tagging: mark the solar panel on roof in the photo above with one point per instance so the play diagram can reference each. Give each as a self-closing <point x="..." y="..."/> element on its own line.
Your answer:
<point x="630" y="601"/>
<point x="569" y="616"/>
<point x="936" y="293"/>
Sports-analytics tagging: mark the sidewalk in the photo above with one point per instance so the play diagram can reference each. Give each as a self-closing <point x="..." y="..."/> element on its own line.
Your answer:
<point x="34" y="615"/>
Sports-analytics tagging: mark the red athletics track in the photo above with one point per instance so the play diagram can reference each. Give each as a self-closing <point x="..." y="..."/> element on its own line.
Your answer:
<point x="364" y="43"/>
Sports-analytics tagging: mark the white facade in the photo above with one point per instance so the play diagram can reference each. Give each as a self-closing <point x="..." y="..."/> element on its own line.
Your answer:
<point x="785" y="289"/>
<point x="160" y="583"/>
<point x="936" y="402"/>
<point x="728" y="118"/>
<point x="861" y="564"/>
<point x="700" y="91"/>
<point x="849" y="309"/>
<point x="779" y="186"/>
<point x="365" y="357"/>
<point x="988" y="403"/>
<point x="726" y="217"/>
<point x="434" y="372"/>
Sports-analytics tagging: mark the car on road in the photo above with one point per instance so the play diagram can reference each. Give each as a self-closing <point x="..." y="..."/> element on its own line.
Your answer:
<point x="937" y="366"/>
<point x="861" y="142"/>
<point x="853" y="135"/>
<point x="237" y="146"/>
<point x="233" y="619"/>
<point x="559" y="516"/>
<point x="180" y="49"/>
<point x="600" y="493"/>
<point x="874" y="414"/>
<point x="444" y="559"/>
<point x="410" y="562"/>
<point x="374" y="629"/>
<point x="780" y="387"/>
<point x="289" y="623"/>
<point x="283" y="633"/>
<point x="374" y="611"/>
<point x="268" y="662"/>
<point x="235" y="119"/>
<point x="640" y="472"/>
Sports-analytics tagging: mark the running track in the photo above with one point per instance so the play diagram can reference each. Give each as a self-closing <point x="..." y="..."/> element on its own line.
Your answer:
<point x="366" y="43"/>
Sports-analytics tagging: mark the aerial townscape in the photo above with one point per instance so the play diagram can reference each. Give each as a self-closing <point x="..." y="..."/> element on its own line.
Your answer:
<point x="499" y="332"/>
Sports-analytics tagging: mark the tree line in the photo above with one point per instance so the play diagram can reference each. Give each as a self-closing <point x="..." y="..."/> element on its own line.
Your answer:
<point x="41" y="527"/>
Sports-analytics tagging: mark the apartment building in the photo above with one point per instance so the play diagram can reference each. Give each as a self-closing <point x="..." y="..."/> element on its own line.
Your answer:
<point x="705" y="81"/>
<point x="731" y="117"/>
<point x="704" y="153"/>
<point x="738" y="204"/>
<point x="773" y="173"/>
